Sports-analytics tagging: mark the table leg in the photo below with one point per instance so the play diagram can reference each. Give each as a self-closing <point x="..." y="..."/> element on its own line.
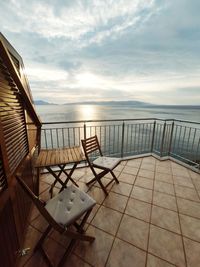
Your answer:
<point x="69" y="176"/>
<point x="57" y="177"/>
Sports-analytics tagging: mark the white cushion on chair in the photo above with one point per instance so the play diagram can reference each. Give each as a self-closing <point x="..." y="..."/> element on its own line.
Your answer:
<point x="106" y="162"/>
<point x="69" y="205"/>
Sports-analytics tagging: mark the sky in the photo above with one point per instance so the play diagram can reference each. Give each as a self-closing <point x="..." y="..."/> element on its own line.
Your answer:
<point x="107" y="50"/>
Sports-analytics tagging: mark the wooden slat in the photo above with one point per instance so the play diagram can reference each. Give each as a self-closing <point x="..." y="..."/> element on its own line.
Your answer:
<point x="12" y="121"/>
<point x="3" y="180"/>
<point x="74" y="157"/>
<point x="10" y="105"/>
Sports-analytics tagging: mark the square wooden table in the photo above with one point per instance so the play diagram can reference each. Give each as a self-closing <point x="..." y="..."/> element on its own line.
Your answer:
<point x="60" y="157"/>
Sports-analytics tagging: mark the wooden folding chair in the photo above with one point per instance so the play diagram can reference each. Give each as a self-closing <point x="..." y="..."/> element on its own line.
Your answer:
<point x="106" y="164"/>
<point x="62" y="212"/>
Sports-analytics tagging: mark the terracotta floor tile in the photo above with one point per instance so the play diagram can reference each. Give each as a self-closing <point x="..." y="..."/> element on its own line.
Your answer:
<point x="164" y="200"/>
<point x="105" y="181"/>
<point x="192" y="250"/>
<point x="146" y="174"/>
<point x="123" y="162"/>
<point x="31" y="238"/>
<point x="74" y="261"/>
<point x="39" y="223"/>
<point x="59" y="238"/>
<point x="134" y="231"/>
<point x="134" y="163"/>
<point x="181" y="172"/>
<point x="93" y="213"/>
<point x="164" y="163"/>
<point x="188" y="207"/>
<point x="176" y="165"/>
<point x="107" y="220"/>
<point x="97" y="194"/>
<point x="166" y="219"/>
<point x="190" y="227"/>
<point x="194" y="175"/>
<point x="130" y="170"/>
<point x="54" y="250"/>
<point x="147" y="166"/>
<point x="142" y="194"/>
<point x="34" y="213"/>
<point x="48" y="178"/>
<point x="184" y="181"/>
<point x="43" y="187"/>
<point x="87" y="177"/>
<point x="36" y="260"/>
<point x="149" y="160"/>
<point x="138" y="209"/>
<point x="153" y="261"/>
<point x="166" y="245"/>
<point x="162" y="169"/>
<point x="109" y="175"/>
<point x="187" y="193"/>
<point x="122" y="188"/>
<point x="144" y="182"/>
<point x="45" y="195"/>
<point x="125" y="255"/>
<point x="95" y="253"/>
<point x="197" y="184"/>
<point x="127" y="178"/>
<point x="78" y="173"/>
<point x="164" y="187"/>
<point x="115" y="201"/>
<point x="164" y="177"/>
<point x="119" y="168"/>
<point x="82" y="186"/>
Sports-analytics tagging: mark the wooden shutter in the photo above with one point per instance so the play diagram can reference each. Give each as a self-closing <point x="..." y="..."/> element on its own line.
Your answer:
<point x="3" y="180"/>
<point x="12" y="119"/>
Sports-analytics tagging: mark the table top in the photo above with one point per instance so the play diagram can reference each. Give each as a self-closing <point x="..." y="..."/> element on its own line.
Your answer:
<point x="59" y="156"/>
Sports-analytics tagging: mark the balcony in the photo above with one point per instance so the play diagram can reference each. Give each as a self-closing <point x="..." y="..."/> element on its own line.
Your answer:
<point x="152" y="218"/>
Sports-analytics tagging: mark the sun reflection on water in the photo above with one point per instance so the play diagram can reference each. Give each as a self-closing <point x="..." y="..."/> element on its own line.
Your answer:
<point x="87" y="112"/>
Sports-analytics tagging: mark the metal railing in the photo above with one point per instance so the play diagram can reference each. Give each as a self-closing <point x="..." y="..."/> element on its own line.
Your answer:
<point x="131" y="137"/>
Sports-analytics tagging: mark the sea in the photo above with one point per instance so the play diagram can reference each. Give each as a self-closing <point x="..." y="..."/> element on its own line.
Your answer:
<point x="186" y="142"/>
<point x="83" y="112"/>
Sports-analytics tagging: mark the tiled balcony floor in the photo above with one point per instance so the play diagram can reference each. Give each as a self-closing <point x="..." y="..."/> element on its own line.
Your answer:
<point x="151" y="218"/>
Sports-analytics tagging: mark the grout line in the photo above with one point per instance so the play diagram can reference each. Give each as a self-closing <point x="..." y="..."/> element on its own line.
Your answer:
<point x="122" y="215"/>
<point x="179" y="222"/>
<point x="150" y="217"/>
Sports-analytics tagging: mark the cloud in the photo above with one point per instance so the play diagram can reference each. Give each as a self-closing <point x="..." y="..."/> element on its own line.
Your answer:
<point x="75" y="50"/>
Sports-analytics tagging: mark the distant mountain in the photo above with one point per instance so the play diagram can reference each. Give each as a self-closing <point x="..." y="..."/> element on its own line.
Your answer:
<point x="41" y="102"/>
<point x="111" y="103"/>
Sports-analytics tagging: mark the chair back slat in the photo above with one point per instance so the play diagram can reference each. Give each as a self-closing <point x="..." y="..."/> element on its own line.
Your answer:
<point x="91" y="145"/>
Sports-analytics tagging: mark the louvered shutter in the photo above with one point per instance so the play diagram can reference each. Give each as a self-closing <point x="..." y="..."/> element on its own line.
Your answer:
<point x="3" y="181"/>
<point x="12" y="119"/>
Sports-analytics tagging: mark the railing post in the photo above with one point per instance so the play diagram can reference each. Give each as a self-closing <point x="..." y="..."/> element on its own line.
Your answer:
<point x="84" y="130"/>
<point x="122" y="147"/>
<point x="153" y="136"/>
<point x="163" y="139"/>
<point x="171" y="137"/>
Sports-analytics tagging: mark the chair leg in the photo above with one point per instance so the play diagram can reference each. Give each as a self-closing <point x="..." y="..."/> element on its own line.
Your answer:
<point x="102" y="186"/>
<point x="115" y="178"/>
<point x="67" y="253"/>
<point x="42" y="238"/>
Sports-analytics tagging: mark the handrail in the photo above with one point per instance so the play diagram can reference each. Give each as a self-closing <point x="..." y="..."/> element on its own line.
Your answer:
<point x="162" y="137"/>
<point x="120" y="120"/>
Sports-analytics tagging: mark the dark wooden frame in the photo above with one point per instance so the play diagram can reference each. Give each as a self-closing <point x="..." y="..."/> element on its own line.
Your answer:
<point x="79" y="234"/>
<point x="91" y="145"/>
